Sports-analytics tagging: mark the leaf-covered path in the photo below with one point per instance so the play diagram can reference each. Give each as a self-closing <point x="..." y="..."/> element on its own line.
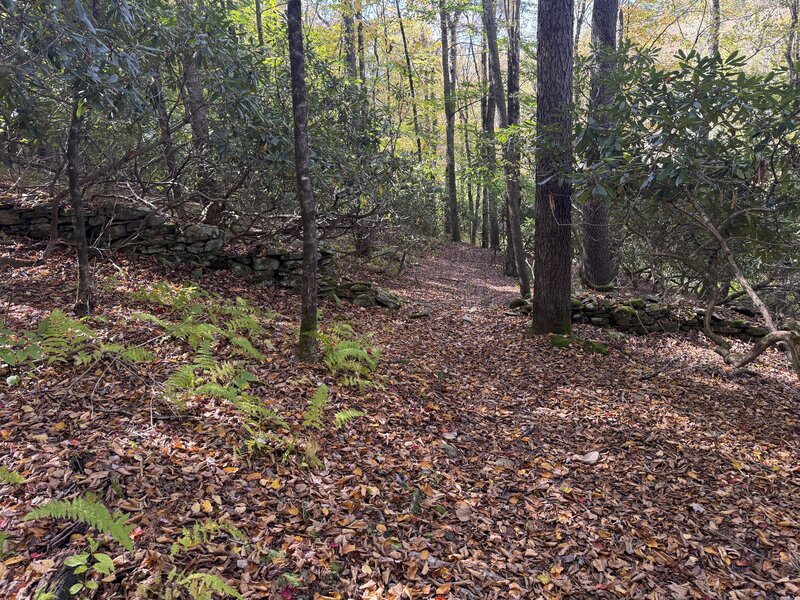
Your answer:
<point x="464" y="480"/>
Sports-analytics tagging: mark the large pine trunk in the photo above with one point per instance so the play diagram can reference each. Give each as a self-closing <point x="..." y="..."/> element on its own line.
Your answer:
<point x="553" y="249"/>
<point x="307" y="348"/>
<point x="598" y="268"/>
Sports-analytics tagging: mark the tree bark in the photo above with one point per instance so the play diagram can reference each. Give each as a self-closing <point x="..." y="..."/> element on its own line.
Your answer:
<point x="451" y="206"/>
<point x="553" y="250"/>
<point x="793" y="43"/>
<point x="510" y="152"/>
<point x="349" y="39"/>
<point x="410" y="74"/>
<point x="597" y="269"/>
<point x="173" y="190"/>
<point x="307" y="347"/>
<point x="198" y="120"/>
<point x="259" y="23"/>
<point x="491" y="235"/>
<point x="716" y="22"/>
<point x="85" y="300"/>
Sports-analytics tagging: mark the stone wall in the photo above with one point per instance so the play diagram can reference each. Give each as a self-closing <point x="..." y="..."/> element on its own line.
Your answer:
<point x="146" y="232"/>
<point x="646" y="316"/>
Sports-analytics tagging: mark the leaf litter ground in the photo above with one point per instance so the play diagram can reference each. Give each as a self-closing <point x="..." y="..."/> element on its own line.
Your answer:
<point x="464" y="480"/>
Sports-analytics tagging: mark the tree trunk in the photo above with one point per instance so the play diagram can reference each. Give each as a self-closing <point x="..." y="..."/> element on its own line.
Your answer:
<point x="410" y="74"/>
<point x="84" y="301"/>
<point x="716" y="22"/>
<point x="510" y="151"/>
<point x="553" y="251"/>
<point x="621" y="29"/>
<point x="362" y="68"/>
<point x="173" y="191"/>
<point x="349" y="40"/>
<point x="307" y="347"/>
<point x="793" y="43"/>
<point x="491" y="228"/>
<point x="597" y="269"/>
<point x="198" y="120"/>
<point x="451" y="207"/>
<point x="259" y="23"/>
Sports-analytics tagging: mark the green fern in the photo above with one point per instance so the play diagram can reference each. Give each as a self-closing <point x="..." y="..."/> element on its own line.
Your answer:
<point x="348" y="355"/>
<point x="63" y="336"/>
<point x="89" y="512"/>
<point x="343" y="417"/>
<point x="202" y="586"/>
<point x="9" y="477"/>
<point x="312" y="416"/>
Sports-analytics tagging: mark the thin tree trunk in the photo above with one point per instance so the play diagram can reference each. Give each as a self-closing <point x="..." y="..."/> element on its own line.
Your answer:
<point x="410" y="74"/>
<point x="510" y="151"/>
<point x="716" y="22"/>
<point x="174" y="188"/>
<point x="451" y="206"/>
<point x="307" y="347"/>
<point x="84" y="301"/>
<point x="491" y="226"/>
<point x="473" y="225"/>
<point x="621" y="28"/>
<point x="198" y="120"/>
<point x="553" y="250"/>
<point x="362" y="68"/>
<point x="349" y="39"/>
<point x="793" y="43"/>
<point x="597" y="268"/>
<point x="259" y="23"/>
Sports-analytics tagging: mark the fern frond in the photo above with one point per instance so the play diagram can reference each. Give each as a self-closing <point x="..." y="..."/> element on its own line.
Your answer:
<point x="312" y="416"/>
<point x="9" y="477"/>
<point x="343" y="417"/>
<point x="245" y="346"/>
<point x="201" y="586"/>
<point x="182" y="379"/>
<point x="89" y="512"/>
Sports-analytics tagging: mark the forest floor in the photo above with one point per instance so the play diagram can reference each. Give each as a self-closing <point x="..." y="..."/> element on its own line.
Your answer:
<point x="465" y="479"/>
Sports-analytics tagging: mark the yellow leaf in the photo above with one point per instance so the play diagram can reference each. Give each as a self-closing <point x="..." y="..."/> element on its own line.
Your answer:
<point x="207" y="508"/>
<point x="59" y="426"/>
<point x="276" y="484"/>
<point x="230" y="469"/>
<point x="544" y="578"/>
<point x="691" y="474"/>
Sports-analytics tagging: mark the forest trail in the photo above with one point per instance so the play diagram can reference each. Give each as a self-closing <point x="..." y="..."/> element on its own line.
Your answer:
<point x="465" y="479"/>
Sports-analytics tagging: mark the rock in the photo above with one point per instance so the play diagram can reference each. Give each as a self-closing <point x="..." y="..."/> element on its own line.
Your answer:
<point x="115" y="232"/>
<point x="599" y="321"/>
<point x="196" y="248"/>
<point x="265" y="263"/>
<point x="241" y="270"/>
<point x="756" y="331"/>
<point x="504" y="463"/>
<point x="387" y="298"/>
<point x="214" y="246"/>
<point x="423" y="312"/>
<point x="451" y="451"/>
<point x="624" y="316"/>
<point x="590" y="458"/>
<point x="200" y="232"/>
<point x="8" y="217"/>
<point x="363" y="300"/>
<point x="126" y="213"/>
<point x="517" y="303"/>
<point x="636" y="303"/>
